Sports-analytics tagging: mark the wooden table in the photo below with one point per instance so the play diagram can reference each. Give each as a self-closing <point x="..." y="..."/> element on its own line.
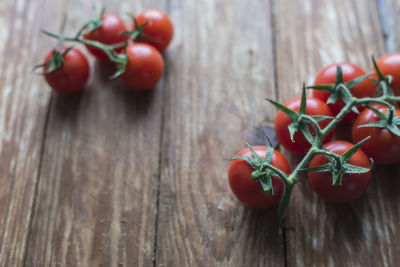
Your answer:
<point x="116" y="178"/>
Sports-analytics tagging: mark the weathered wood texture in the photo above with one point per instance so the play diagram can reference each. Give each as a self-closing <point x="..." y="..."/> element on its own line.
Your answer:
<point x="390" y="20"/>
<point x="23" y="108"/>
<point x="220" y="71"/>
<point x="114" y="178"/>
<point x="311" y="35"/>
<point x="97" y="193"/>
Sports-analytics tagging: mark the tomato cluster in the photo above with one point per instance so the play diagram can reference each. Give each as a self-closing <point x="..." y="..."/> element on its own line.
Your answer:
<point x="136" y="50"/>
<point x="338" y="171"/>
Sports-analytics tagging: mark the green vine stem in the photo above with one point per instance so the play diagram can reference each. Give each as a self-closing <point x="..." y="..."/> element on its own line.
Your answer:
<point x="340" y="162"/>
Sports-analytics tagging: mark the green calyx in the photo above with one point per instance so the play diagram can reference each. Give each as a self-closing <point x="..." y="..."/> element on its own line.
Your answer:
<point x="300" y="120"/>
<point x="339" y="165"/>
<point x="56" y="61"/>
<point x="388" y="120"/>
<point x="137" y="34"/>
<point x="341" y="89"/>
<point x="95" y="23"/>
<point x="262" y="168"/>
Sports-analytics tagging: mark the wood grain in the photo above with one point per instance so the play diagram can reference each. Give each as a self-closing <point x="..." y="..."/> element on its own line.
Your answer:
<point x="97" y="194"/>
<point x="220" y="72"/>
<point x="389" y="11"/>
<point x="23" y="108"/>
<point x="365" y="232"/>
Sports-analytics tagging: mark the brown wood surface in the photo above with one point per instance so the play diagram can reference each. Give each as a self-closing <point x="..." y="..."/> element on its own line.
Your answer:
<point x="115" y="178"/>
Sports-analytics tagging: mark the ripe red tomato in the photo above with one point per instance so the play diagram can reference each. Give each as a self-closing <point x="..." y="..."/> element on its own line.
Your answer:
<point x="246" y="189"/>
<point x="350" y="71"/>
<point x="72" y="76"/>
<point x="300" y="145"/>
<point x="160" y="27"/>
<point x="145" y="67"/>
<point x="353" y="185"/>
<point x="383" y="146"/>
<point x="110" y="32"/>
<point x="389" y="64"/>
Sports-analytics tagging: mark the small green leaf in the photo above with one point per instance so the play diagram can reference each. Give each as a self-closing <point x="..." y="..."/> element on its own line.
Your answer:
<point x="252" y="162"/>
<point x="378" y="113"/>
<point x="352" y="169"/>
<point x="337" y="176"/>
<point x="323" y="87"/>
<point x="307" y="134"/>
<point x="269" y="155"/>
<point x="293" y="128"/>
<point x="349" y="153"/>
<point x="358" y="80"/>
<point x="379" y="124"/>
<point x="266" y="184"/>
<point x="339" y="75"/>
<point x="377" y="70"/>
<point x="332" y="98"/>
<point x="253" y="152"/>
<point x="394" y="129"/>
<point x="293" y="115"/>
<point x="303" y="103"/>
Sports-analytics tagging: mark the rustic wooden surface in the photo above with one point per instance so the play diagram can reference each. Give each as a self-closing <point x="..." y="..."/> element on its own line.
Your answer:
<point x="115" y="178"/>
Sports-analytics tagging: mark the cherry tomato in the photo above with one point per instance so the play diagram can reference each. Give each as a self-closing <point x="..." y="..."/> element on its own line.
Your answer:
<point x="250" y="192"/>
<point x="160" y="27"/>
<point x="145" y="67"/>
<point x="350" y="71"/>
<point x="110" y="32"/>
<point x="383" y="146"/>
<point x="389" y="64"/>
<point x="300" y="145"/>
<point x="72" y="76"/>
<point x="353" y="185"/>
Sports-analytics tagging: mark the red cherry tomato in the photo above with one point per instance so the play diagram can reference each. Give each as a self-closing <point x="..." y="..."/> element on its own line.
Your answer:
<point x="145" y="67"/>
<point x="110" y="32"/>
<point x="246" y="189"/>
<point x="300" y="145"/>
<point x="160" y="27"/>
<point x="383" y="146"/>
<point x="72" y="76"/>
<point x="389" y="64"/>
<point x="350" y="71"/>
<point x="353" y="185"/>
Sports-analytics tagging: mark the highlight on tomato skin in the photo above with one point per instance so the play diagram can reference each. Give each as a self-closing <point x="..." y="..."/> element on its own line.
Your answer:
<point x="250" y="192"/>
<point x="160" y="28"/>
<point x="110" y="32"/>
<point x="353" y="185"/>
<point x="72" y="76"/>
<point x="383" y="146"/>
<point x="350" y="71"/>
<point x="300" y="146"/>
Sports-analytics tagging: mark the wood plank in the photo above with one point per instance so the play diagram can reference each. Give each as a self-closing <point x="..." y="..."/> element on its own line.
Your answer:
<point x="365" y="232"/>
<point x="96" y="202"/>
<point x="389" y="11"/>
<point x="221" y="70"/>
<point x="23" y="109"/>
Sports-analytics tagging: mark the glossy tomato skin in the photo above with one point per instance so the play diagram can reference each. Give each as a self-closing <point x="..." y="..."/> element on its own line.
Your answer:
<point x="389" y="64"/>
<point x="350" y="71"/>
<point x="160" y="27"/>
<point x="383" y="146"/>
<point x="250" y="192"/>
<point x="72" y="76"/>
<point x="300" y="145"/>
<point x="110" y="32"/>
<point x="145" y="67"/>
<point x="353" y="185"/>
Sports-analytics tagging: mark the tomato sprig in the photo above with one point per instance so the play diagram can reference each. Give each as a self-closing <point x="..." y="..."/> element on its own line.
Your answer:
<point x="338" y="165"/>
